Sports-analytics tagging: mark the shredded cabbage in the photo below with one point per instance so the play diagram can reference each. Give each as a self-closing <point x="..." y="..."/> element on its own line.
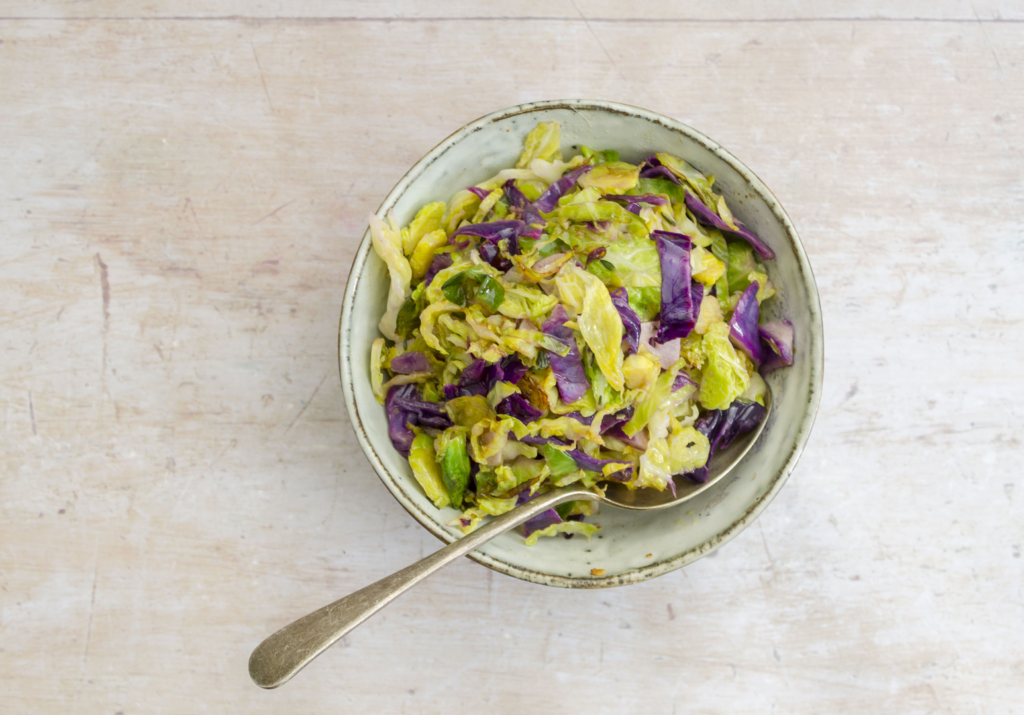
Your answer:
<point x="503" y="358"/>
<point x="387" y="242"/>
<point x="541" y="143"/>
<point x="427" y="219"/>
<point x="598" y="320"/>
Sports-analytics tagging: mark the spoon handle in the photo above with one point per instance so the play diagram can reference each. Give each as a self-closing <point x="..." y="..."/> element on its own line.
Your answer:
<point x="285" y="653"/>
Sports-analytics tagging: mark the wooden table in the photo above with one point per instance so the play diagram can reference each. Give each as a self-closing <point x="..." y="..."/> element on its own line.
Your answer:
<point x="182" y="189"/>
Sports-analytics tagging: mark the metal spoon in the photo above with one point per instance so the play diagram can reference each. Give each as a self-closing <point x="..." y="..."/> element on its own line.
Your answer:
<point x="288" y="651"/>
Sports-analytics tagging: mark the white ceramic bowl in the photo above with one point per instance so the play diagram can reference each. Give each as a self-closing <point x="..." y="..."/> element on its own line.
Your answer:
<point x="631" y="546"/>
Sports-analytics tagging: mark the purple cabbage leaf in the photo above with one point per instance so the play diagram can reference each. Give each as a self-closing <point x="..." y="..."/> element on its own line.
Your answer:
<point x="709" y="218"/>
<point x="743" y="330"/>
<point x="440" y="262"/>
<point x="721" y="427"/>
<point x="642" y="199"/>
<point x="679" y="310"/>
<point x="480" y="376"/>
<point x="526" y="211"/>
<point x="630" y="320"/>
<point x="405" y="406"/>
<point x="593" y="464"/>
<point x="519" y="407"/>
<point x="777" y="336"/>
<point x="491" y="232"/>
<point x="570" y="375"/>
<point x="549" y="199"/>
<point x="410" y="362"/>
<point x="652" y="168"/>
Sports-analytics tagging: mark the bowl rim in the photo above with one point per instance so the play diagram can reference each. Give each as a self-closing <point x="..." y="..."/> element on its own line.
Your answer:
<point x="815" y="355"/>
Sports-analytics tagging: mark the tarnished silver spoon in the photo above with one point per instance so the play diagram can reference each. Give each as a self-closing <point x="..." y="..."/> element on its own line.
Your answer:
<point x="288" y="651"/>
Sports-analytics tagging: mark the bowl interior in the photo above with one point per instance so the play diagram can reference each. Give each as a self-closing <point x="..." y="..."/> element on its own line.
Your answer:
<point x="631" y="546"/>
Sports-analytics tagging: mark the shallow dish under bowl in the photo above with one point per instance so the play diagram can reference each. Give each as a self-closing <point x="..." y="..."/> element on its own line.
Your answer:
<point x="632" y="546"/>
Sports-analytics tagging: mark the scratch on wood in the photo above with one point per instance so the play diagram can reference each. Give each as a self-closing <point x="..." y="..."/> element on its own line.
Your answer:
<point x="92" y="608"/>
<point x="262" y="78"/>
<point x="32" y="413"/>
<point x="767" y="552"/>
<point x="172" y="467"/>
<point x="289" y="203"/>
<point x="308" y="403"/>
<point x="854" y="389"/>
<point x="105" y="286"/>
<point x="988" y="40"/>
<point x="490" y="589"/>
<point x="600" y="44"/>
<point x="192" y="210"/>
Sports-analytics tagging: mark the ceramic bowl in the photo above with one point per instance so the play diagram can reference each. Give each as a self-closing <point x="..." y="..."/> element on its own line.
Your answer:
<point x="631" y="546"/>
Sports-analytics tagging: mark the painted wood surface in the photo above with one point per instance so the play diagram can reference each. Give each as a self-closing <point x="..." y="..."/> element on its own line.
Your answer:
<point x="183" y="187"/>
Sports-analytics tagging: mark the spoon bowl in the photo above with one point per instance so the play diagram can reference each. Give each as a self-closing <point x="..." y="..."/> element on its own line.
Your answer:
<point x="619" y="495"/>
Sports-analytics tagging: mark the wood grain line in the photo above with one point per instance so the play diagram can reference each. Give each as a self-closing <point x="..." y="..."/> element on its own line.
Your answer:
<point x="536" y="18"/>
